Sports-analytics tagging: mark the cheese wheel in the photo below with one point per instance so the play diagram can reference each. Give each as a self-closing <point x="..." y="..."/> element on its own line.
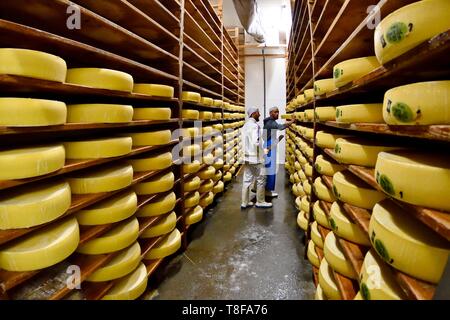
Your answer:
<point x="316" y="236"/>
<point x="298" y="190"/>
<point x="312" y="254"/>
<point x="207" y="101"/>
<point x="219" y="187"/>
<point x="156" y="184"/>
<point x="358" y="296"/>
<point x="191" y="96"/>
<point x="151" y="163"/>
<point x="397" y="173"/>
<point x="326" y="167"/>
<point x="100" y="78"/>
<point x="190" y="114"/>
<point x="217" y="126"/>
<point x="296" y="178"/>
<point x="193" y="216"/>
<point x="298" y="203"/>
<point x="322" y="192"/>
<point x="232" y="170"/>
<point x="325" y="113"/>
<point x="153" y="138"/>
<point x="41" y="249"/>
<point x="31" y="162"/>
<point x="227" y="177"/>
<point x="164" y="225"/>
<point x="309" y="95"/>
<point x="218" y="103"/>
<point x="206" y="200"/>
<point x="205" y="115"/>
<point x="207" y="173"/>
<point x="24" y="112"/>
<point x="192" y="184"/>
<point x="152" y="114"/>
<point x="157" y="90"/>
<point x="98" y="148"/>
<point x="377" y="281"/>
<point x="191" y="150"/>
<point x="407" y="244"/>
<point x="353" y="69"/>
<point x="218" y="164"/>
<point x="192" y="199"/>
<point x="302" y="220"/>
<point x="327" y="140"/>
<point x="33" y="64"/>
<point x="320" y="216"/>
<point x="359" y="151"/>
<point x="307" y="187"/>
<point x="305" y="204"/>
<point x="101" y="180"/>
<point x="409" y="26"/>
<point x="352" y="190"/>
<point x="423" y="103"/>
<point x="309" y="116"/>
<point x="217" y="176"/>
<point x="129" y="287"/>
<point x="158" y="206"/>
<point x="206" y="186"/>
<point x="207" y="145"/>
<point x="319" y="294"/>
<point x="368" y="113"/>
<point x="167" y="246"/>
<point x="119" y="266"/>
<point x="217" y="115"/>
<point x="99" y="113"/>
<point x="336" y="258"/>
<point x="323" y="86"/>
<point x="190" y="132"/>
<point x="327" y="282"/>
<point x="117" y="208"/>
<point x="121" y="236"/>
<point x="345" y="228"/>
<point x="207" y="130"/>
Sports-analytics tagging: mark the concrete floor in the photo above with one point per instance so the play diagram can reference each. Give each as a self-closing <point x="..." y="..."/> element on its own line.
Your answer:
<point x="241" y="254"/>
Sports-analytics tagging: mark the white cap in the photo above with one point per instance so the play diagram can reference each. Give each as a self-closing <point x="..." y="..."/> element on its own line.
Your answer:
<point x="273" y="108"/>
<point x="251" y="110"/>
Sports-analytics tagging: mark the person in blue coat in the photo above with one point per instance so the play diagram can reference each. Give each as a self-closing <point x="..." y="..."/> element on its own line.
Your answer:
<point x="271" y="126"/>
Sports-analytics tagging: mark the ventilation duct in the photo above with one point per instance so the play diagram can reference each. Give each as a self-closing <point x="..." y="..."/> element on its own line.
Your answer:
<point x="247" y="11"/>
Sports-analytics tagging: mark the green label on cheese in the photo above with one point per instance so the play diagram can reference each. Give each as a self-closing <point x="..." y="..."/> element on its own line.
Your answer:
<point x="365" y="293"/>
<point x="337" y="73"/>
<point x="386" y="184"/>
<point x="318" y="168"/>
<point x="402" y="112"/>
<point x="382" y="251"/>
<point x="333" y="224"/>
<point x="396" y="32"/>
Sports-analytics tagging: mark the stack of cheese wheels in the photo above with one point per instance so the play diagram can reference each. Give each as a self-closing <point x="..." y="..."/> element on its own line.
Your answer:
<point x="160" y="205"/>
<point x="353" y="69"/>
<point x="194" y="215"/>
<point x="156" y="184"/>
<point x="325" y="113"/>
<point x="409" y="26"/>
<point x="367" y="113"/>
<point x="159" y="114"/>
<point x="397" y="173"/>
<point x="327" y="281"/>
<point x="327" y="140"/>
<point x="99" y="113"/>
<point x="354" y="191"/>
<point x="323" y="86"/>
<point x="156" y="90"/>
<point x="327" y="167"/>
<point x="190" y="96"/>
<point x="406" y="244"/>
<point x="129" y="287"/>
<point x="165" y="224"/>
<point x="151" y="138"/>
<point x="423" y="103"/>
<point x="166" y="247"/>
<point x="31" y="162"/>
<point x="336" y="259"/>
<point x="343" y="227"/>
<point x="25" y="112"/>
<point x="100" y="78"/>
<point x="41" y="248"/>
<point x="358" y="151"/>
<point x="322" y="191"/>
<point x="151" y="162"/>
<point x="99" y="148"/>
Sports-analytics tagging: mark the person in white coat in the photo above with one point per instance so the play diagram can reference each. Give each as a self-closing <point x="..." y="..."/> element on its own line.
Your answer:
<point x="253" y="161"/>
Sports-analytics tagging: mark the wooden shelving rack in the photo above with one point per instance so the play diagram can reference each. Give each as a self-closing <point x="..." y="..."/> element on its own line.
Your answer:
<point x="325" y="33"/>
<point x="181" y="43"/>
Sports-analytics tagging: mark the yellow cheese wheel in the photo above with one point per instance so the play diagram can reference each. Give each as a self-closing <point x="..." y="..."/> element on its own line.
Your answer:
<point x="397" y="173"/>
<point x="320" y="216"/>
<point x="217" y="115"/>
<point x="31" y="162"/>
<point x="312" y="254"/>
<point x="153" y="138"/>
<point x="190" y="132"/>
<point x="327" y="140"/>
<point x="194" y="215"/>
<point x="319" y="294"/>
<point x="353" y="69"/>
<point x="206" y="200"/>
<point x="406" y="243"/>
<point x="305" y="204"/>
<point x="352" y="190"/>
<point x="409" y="26"/>
<point x="121" y="236"/>
<point x="307" y="187"/>
<point x="207" y="130"/>
<point x="358" y="296"/>
<point x="205" y="115"/>
<point x="190" y="114"/>
<point x="192" y="184"/>
<point x="423" y="103"/>
<point x="167" y="246"/>
<point x="322" y="192"/>
<point x="98" y="148"/>
<point x="309" y="95"/>
<point x="158" y="206"/>
<point x="336" y="258"/>
<point x="207" y="101"/>
<point x="368" y="113"/>
<point x="192" y="199"/>
<point x="298" y="203"/>
<point x="164" y="225"/>
<point x="298" y="191"/>
<point x="24" y="112"/>
<point x="156" y="184"/>
<point x="119" y="266"/>
<point x="218" y="164"/>
<point x="191" y="96"/>
<point x="325" y="113"/>
<point x="327" y="282"/>
<point x="112" y="210"/>
<point x="33" y="64"/>
<point x="101" y="180"/>
<point x="316" y="237"/>
<point x="42" y="248"/>
<point x="297" y="178"/>
<point x="345" y="228"/>
<point x="207" y="145"/>
<point x="302" y="220"/>
<point x="207" y="173"/>
<point x="326" y="167"/>
<point x="323" y="86"/>
<point x="232" y="170"/>
<point x="152" y="113"/>
<point x="359" y="151"/>
<point x="297" y="165"/>
<point x="218" y="103"/>
<point x="206" y="186"/>
<point x="217" y="176"/>
<point x="191" y="150"/>
<point x="151" y="163"/>
<point x="99" y="113"/>
<point x="217" y="126"/>
<point x="191" y="167"/>
<point x="377" y="281"/>
<point x="157" y="90"/>
<point x="219" y="187"/>
<point x="129" y="287"/>
<point x="309" y="116"/>
<point x="100" y="78"/>
<point x="227" y="177"/>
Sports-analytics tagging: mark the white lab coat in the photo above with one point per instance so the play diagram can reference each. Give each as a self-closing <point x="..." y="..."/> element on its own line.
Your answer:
<point x="252" y="142"/>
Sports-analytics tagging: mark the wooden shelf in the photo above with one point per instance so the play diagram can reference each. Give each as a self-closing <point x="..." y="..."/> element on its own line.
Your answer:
<point x="315" y="275"/>
<point x="347" y="287"/>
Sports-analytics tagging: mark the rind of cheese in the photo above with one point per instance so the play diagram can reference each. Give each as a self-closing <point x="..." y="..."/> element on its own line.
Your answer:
<point x="98" y="148"/>
<point x="99" y="113"/>
<point x="320" y="216"/>
<point x="316" y="236"/>
<point x="156" y="184"/>
<point x="169" y="245"/>
<point x="157" y="114"/>
<point x="219" y="187"/>
<point x="207" y="101"/>
<point x="206" y="200"/>
<point x="327" y="282"/>
<point x="324" y="86"/>
<point x="191" y="96"/>
<point x="191" y="167"/>
<point x="353" y="69"/>
<point x="190" y="114"/>
<point x="194" y="216"/>
<point x="152" y="138"/>
<point x="336" y="258"/>
<point x="164" y="225"/>
<point x="312" y="254"/>
<point x="367" y="113"/>
<point x="192" y="199"/>
<point x="151" y="163"/>
<point x="158" y="206"/>
<point x="206" y="186"/>
<point x="344" y="228"/>
<point x="327" y="140"/>
<point x="100" y="78"/>
<point x="325" y="113"/>
<point x="157" y="90"/>
<point x="192" y="184"/>
<point x="305" y="204"/>
<point x="322" y="191"/>
<point x="302" y="220"/>
<point x="129" y="287"/>
<point x="326" y="167"/>
<point x="319" y="294"/>
<point x="207" y="173"/>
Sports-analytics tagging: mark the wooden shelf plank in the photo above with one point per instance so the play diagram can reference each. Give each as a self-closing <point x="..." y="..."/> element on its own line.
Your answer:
<point x="359" y="216"/>
<point x="166" y="15"/>
<point x="414" y="289"/>
<point x="315" y="275"/>
<point x="354" y="253"/>
<point x="347" y="287"/>
<point x="319" y="252"/>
